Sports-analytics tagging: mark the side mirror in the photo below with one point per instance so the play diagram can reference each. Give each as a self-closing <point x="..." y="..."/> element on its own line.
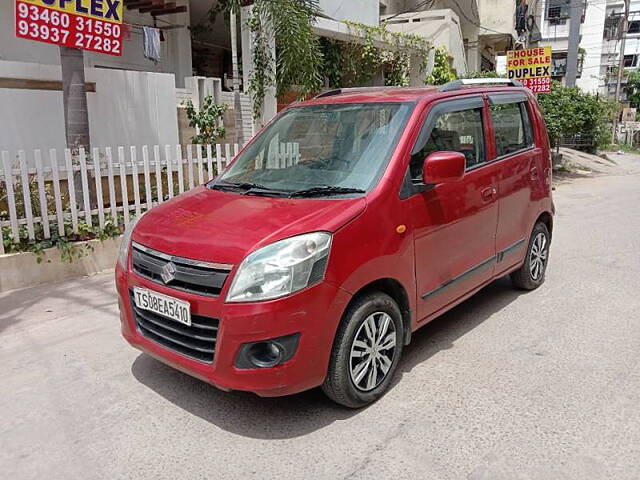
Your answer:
<point x="443" y="167"/>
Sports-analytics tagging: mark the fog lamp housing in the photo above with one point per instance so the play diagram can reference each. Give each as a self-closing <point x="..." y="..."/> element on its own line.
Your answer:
<point x="267" y="353"/>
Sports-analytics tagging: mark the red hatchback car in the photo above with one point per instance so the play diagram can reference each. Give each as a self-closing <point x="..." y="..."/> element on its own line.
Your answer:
<point x="350" y="221"/>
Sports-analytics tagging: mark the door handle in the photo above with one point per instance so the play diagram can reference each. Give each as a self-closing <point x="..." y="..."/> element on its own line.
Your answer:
<point x="488" y="193"/>
<point x="534" y="173"/>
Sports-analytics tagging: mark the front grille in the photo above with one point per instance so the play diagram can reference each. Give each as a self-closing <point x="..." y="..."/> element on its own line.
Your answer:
<point x="192" y="276"/>
<point x="196" y="341"/>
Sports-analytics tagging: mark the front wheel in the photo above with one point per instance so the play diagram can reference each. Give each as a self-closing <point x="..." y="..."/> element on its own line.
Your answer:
<point x="366" y="351"/>
<point x="531" y="274"/>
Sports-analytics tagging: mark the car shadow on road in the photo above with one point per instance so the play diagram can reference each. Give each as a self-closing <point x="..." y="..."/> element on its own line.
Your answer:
<point x="288" y="417"/>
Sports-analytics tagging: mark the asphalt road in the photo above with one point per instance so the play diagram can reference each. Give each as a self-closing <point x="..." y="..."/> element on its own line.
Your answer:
<point x="542" y="385"/>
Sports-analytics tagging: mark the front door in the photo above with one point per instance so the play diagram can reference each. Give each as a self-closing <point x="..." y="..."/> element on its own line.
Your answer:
<point x="454" y="224"/>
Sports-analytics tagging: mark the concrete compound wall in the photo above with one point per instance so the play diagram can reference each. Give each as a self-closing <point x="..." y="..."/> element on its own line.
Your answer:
<point x="128" y="108"/>
<point x="21" y="270"/>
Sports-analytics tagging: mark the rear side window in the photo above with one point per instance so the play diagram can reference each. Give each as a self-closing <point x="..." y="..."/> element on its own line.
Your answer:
<point x="459" y="131"/>
<point x="511" y="127"/>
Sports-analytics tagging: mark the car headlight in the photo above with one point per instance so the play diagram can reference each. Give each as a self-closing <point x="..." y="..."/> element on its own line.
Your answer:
<point x="125" y="243"/>
<point x="281" y="268"/>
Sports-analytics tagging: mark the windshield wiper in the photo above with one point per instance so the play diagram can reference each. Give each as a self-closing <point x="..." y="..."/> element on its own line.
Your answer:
<point x="324" y="190"/>
<point x="223" y="184"/>
<point x="249" y="188"/>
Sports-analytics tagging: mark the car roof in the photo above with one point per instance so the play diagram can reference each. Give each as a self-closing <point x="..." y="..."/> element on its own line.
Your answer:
<point x="401" y="94"/>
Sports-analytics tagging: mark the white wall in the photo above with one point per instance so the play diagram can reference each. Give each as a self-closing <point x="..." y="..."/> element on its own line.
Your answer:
<point x="362" y="11"/>
<point x="591" y="41"/>
<point x="498" y="15"/>
<point x="591" y="32"/>
<point x="128" y="108"/>
<point x="176" y="49"/>
<point x="441" y="27"/>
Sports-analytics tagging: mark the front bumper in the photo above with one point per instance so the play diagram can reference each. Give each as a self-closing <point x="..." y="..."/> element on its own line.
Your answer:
<point x="314" y="313"/>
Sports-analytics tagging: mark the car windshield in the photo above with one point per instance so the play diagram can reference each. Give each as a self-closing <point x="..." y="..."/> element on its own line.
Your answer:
<point x="321" y="150"/>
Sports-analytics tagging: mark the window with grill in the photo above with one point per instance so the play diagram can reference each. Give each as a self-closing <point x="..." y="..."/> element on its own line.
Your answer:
<point x="634" y="26"/>
<point x="630" y="61"/>
<point x="611" y="26"/>
<point x="558" y="9"/>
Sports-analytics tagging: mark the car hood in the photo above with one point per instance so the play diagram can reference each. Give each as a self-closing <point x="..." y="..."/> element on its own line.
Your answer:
<point x="224" y="227"/>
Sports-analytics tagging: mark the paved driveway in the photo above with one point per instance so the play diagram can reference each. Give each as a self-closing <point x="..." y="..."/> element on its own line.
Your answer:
<point x="506" y="386"/>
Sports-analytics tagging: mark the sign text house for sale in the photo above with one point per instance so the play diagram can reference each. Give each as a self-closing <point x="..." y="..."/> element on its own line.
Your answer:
<point x="94" y="25"/>
<point x="531" y="67"/>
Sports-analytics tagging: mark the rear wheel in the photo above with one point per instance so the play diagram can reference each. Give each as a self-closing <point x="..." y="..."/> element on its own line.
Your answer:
<point x="366" y="351"/>
<point x="531" y="274"/>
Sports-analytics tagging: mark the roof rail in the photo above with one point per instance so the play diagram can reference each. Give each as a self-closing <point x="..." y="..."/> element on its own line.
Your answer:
<point x="458" y="84"/>
<point x="338" y="91"/>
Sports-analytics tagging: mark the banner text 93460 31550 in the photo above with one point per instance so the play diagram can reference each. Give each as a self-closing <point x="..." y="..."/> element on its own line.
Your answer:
<point x="60" y="24"/>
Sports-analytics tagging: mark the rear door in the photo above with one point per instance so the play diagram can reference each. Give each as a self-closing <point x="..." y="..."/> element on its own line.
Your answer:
<point x="519" y="160"/>
<point x="454" y="224"/>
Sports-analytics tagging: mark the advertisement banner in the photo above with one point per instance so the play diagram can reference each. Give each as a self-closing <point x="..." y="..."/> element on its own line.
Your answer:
<point x="94" y="25"/>
<point x="531" y="67"/>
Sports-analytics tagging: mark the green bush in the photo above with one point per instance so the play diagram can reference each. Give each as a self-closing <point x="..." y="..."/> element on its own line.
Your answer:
<point x="207" y="119"/>
<point x="570" y="111"/>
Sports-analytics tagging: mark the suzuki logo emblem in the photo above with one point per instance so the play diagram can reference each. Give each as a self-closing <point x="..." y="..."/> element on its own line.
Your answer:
<point x="168" y="272"/>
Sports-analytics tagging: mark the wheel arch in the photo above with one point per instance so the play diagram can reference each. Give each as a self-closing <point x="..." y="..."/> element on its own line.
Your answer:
<point x="395" y="290"/>
<point x="547" y="219"/>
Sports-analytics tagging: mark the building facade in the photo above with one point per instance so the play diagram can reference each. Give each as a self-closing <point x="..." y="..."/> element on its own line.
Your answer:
<point x="137" y="101"/>
<point x="475" y="32"/>
<point x="599" y="47"/>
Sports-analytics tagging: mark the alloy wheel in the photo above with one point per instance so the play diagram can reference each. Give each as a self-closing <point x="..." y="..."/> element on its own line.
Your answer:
<point x="538" y="256"/>
<point x="372" y="351"/>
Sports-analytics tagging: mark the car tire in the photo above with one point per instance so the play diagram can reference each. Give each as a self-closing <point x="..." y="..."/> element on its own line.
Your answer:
<point x="531" y="274"/>
<point x="365" y="335"/>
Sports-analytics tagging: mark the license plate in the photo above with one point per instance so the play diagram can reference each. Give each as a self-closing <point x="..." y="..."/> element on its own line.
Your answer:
<point x="169" y="307"/>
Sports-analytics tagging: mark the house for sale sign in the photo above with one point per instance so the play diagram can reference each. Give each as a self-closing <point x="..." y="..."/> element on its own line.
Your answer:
<point x="531" y="67"/>
<point x="94" y="25"/>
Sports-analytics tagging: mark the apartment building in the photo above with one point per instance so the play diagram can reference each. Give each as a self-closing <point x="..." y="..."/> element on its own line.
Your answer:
<point x="474" y="32"/>
<point x="599" y="48"/>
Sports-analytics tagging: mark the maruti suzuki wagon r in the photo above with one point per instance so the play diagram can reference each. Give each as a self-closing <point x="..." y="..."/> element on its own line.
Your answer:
<point x="350" y="221"/>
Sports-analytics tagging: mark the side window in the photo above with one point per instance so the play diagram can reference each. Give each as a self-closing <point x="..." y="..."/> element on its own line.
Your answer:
<point x="511" y="127"/>
<point x="459" y="131"/>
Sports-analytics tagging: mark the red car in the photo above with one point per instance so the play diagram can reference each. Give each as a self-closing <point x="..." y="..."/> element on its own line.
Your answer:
<point x="350" y="221"/>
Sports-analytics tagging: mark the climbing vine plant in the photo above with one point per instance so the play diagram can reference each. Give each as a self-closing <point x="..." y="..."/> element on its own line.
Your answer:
<point x="303" y="60"/>
<point x="355" y="63"/>
<point x="361" y="60"/>
<point x="298" y="58"/>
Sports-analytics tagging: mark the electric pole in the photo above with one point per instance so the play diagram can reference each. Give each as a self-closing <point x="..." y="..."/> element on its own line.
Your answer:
<point x="574" y="40"/>
<point x="622" y="35"/>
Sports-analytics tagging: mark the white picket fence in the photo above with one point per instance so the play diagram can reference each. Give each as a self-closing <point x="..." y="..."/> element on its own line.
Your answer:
<point x="41" y="175"/>
<point x="45" y="172"/>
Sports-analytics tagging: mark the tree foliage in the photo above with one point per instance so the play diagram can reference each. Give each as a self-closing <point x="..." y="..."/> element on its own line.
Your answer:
<point x="633" y="88"/>
<point x="442" y="71"/>
<point x="570" y="111"/>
